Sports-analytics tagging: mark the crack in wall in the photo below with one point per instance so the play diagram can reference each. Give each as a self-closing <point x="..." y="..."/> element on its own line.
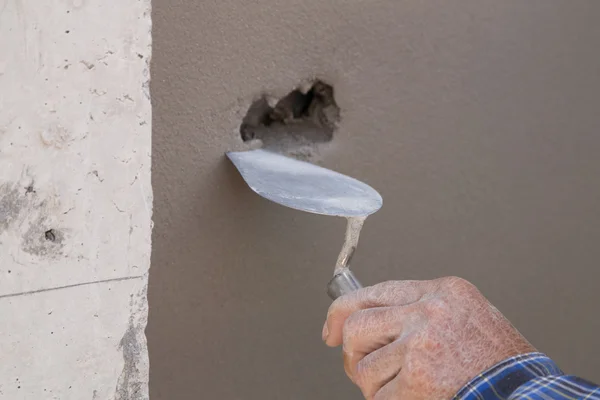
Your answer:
<point x="71" y="286"/>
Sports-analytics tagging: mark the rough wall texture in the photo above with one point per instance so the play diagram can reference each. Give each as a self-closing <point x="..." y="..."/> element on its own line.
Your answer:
<point x="75" y="198"/>
<point x="478" y="122"/>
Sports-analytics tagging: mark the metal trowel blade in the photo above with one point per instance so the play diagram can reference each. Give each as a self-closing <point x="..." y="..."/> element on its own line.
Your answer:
<point x="304" y="186"/>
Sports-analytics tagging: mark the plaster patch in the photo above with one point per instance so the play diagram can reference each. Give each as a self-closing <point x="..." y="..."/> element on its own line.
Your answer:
<point x="55" y="136"/>
<point x="77" y="4"/>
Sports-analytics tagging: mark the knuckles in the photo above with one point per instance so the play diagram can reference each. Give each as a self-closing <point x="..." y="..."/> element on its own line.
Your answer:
<point x="354" y="325"/>
<point x="436" y="307"/>
<point x="460" y="290"/>
<point x="377" y="294"/>
<point x="363" y="375"/>
<point x="458" y="285"/>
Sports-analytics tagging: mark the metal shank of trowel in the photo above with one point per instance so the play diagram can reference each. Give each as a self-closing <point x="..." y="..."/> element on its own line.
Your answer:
<point x="342" y="283"/>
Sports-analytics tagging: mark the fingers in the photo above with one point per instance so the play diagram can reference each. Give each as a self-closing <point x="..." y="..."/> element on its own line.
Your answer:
<point x="380" y="367"/>
<point x="393" y="293"/>
<point x="390" y="390"/>
<point x="373" y="337"/>
<point x="418" y="340"/>
<point x="368" y="330"/>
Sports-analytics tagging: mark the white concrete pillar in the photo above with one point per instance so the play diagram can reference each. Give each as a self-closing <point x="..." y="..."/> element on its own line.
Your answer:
<point x="75" y="198"/>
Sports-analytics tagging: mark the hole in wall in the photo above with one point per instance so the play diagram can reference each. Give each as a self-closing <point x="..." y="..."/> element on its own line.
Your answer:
<point x="50" y="235"/>
<point x="298" y="119"/>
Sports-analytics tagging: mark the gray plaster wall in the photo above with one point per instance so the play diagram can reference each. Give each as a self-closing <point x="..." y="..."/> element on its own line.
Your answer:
<point x="476" y="120"/>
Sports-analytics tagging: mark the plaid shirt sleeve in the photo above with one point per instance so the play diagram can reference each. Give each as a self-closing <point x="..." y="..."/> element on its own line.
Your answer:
<point x="531" y="376"/>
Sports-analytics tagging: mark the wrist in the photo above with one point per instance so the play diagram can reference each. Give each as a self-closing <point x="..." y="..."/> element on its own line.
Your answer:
<point x="505" y="377"/>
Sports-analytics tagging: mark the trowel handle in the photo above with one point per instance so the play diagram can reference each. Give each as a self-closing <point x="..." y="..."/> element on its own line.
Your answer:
<point x="342" y="283"/>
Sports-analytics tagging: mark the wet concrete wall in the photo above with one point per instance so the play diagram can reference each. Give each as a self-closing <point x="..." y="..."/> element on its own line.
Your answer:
<point x="477" y="121"/>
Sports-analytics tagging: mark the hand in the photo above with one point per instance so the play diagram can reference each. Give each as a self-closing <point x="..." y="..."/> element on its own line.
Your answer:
<point x="415" y="340"/>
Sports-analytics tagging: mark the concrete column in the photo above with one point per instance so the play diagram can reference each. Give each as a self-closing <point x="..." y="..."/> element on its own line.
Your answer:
<point x="75" y="198"/>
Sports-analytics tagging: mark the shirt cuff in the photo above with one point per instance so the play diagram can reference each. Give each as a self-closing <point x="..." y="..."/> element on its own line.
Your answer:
<point x="505" y="377"/>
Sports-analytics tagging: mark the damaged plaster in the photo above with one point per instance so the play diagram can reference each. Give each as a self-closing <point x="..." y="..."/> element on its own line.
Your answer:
<point x="75" y="198"/>
<point x="22" y="209"/>
<point x="297" y="124"/>
<point x="133" y="380"/>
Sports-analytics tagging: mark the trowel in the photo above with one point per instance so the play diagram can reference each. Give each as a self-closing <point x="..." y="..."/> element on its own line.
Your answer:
<point x="311" y="188"/>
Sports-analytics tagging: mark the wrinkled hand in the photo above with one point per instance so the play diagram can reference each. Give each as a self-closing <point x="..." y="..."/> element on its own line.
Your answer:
<point x="415" y="340"/>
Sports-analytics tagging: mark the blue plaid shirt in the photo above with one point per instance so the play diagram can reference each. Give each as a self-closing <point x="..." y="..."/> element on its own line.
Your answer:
<point x="530" y="376"/>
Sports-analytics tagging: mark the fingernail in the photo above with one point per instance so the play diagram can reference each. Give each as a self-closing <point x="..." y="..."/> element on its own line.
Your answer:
<point x="325" y="333"/>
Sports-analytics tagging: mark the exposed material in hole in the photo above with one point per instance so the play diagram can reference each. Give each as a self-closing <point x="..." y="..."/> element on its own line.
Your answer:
<point x="50" y="235"/>
<point x="297" y="119"/>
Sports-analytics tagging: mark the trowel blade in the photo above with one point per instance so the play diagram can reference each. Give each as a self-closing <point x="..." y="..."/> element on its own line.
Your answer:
<point x="304" y="186"/>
